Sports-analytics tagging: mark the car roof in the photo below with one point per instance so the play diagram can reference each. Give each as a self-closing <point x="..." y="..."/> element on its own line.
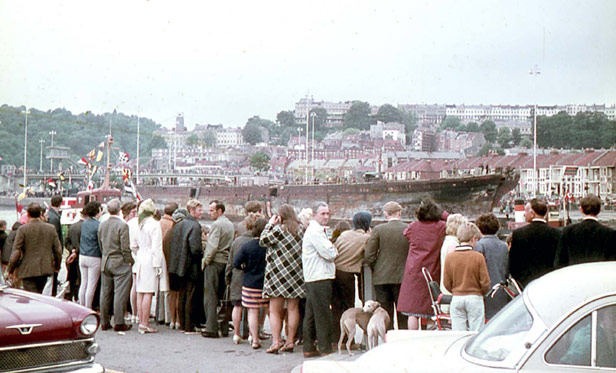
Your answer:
<point x="560" y="292"/>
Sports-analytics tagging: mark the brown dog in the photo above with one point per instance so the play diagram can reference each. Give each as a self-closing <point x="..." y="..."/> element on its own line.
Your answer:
<point x="377" y="327"/>
<point x="352" y="318"/>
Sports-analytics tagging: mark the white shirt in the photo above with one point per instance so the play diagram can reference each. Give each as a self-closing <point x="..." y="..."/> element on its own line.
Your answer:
<point x="318" y="254"/>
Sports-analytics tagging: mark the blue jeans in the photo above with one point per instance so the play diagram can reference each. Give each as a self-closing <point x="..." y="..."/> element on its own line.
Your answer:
<point x="467" y="309"/>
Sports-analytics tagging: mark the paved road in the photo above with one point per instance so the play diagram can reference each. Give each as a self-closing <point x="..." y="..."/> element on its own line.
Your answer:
<point x="173" y="351"/>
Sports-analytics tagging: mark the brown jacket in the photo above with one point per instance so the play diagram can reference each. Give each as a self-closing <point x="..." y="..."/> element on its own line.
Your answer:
<point x="38" y="244"/>
<point x="350" y="246"/>
<point x="466" y="272"/>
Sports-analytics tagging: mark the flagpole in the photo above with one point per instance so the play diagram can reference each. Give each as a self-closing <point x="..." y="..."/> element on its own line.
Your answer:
<point x="137" y="173"/>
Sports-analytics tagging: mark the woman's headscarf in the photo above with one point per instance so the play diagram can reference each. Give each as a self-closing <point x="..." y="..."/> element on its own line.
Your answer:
<point x="362" y="220"/>
<point x="146" y="209"/>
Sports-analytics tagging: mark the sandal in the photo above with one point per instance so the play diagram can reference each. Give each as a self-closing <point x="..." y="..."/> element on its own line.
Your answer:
<point x="256" y="345"/>
<point x="146" y="329"/>
<point x="274" y="348"/>
<point x="287" y="348"/>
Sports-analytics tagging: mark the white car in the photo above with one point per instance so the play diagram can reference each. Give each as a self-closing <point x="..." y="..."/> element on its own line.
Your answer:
<point x="564" y="321"/>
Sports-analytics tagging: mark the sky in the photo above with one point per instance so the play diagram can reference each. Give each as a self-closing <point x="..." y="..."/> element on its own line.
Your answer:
<point x="226" y="61"/>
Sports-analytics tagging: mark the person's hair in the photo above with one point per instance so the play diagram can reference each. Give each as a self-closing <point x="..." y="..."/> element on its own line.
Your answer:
<point x="428" y="211"/>
<point x="3" y="224"/>
<point x="219" y="205"/>
<point x="56" y="200"/>
<point x="34" y="210"/>
<point x="113" y="206"/>
<point x="170" y="208"/>
<point x="467" y="231"/>
<point x="487" y="224"/>
<point x="250" y="220"/>
<point x="453" y="222"/>
<point x="539" y="206"/>
<point x="253" y="206"/>
<point x="127" y="208"/>
<point x="591" y="205"/>
<point x="391" y="208"/>
<point x="157" y="215"/>
<point x="15" y="226"/>
<point x="316" y="206"/>
<point x="92" y="208"/>
<point x="192" y="204"/>
<point x="362" y="220"/>
<point x="258" y="227"/>
<point x="305" y="216"/>
<point x="288" y="219"/>
<point x="342" y="226"/>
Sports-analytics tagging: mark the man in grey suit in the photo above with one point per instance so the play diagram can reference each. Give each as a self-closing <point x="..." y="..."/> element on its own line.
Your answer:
<point x="116" y="267"/>
<point x="385" y="253"/>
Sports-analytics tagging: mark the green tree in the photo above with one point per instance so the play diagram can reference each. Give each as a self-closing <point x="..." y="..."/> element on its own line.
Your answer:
<point x="472" y="127"/>
<point x="388" y="113"/>
<point x="351" y="131"/>
<point x="451" y="122"/>
<point x="259" y="161"/>
<point x="358" y="116"/>
<point x="318" y="118"/>
<point x="516" y="136"/>
<point x="209" y="138"/>
<point x="488" y="128"/>
<point x="192" y="140"/>
<point x="286" y="119"/>
<point x="252" y="133"/>
<point x="504" y="138"/>
<point x="526" y="143"/>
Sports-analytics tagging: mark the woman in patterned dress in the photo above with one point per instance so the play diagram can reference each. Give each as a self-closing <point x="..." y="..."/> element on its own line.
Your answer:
<point x="284" y="279"/>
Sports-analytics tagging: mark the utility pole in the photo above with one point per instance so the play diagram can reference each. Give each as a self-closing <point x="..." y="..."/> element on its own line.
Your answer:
<point x="536" y="72"/>
<point x="137" y="168"/>
<point x="41" y="141"/>
<point x="52" y="133"/>
<point x="26" y="113"/>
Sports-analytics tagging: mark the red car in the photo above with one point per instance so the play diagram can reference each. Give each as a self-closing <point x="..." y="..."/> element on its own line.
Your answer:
<point x="43" y="334"/>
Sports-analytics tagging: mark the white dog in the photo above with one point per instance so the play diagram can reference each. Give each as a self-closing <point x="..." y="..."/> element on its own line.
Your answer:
<point x="352" y="318"/>
<point x="377" y="326"/>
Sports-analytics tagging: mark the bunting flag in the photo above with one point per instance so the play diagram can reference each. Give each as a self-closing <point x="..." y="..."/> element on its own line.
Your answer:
<point x="126" y="174"/>
<point x="18" y="206"/>
<point x="51" y="183"/>
<point x="83" y="161"/>
<point x="90" y="186"/>
<point x="129" y="186"/>
<point x="99" y="155"/>
<point x="92" y="154"/>
<point x="61" y="176"/>
<point x="101" y="145"/>
<point x="123" y="158"/>
<point x="93" y="169"/>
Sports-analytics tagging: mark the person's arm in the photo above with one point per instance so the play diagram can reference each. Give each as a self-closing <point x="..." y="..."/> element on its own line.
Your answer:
<point x="484" y="276"/>
<point x="324" y="247"/>
<point x="240" y="258"/>
<point x="447" y="279"/>
<point x="57" y="253"/>
<point x="157" y="246"/>
<point x="212" y="244"/>
<point x="270" y="235"/>
<point x="229" y="267"/>
<point x="18" y="246"/>
<point x="125" y="244"/>
<point x="194" y="240"/>
<point x="371" y="252"/>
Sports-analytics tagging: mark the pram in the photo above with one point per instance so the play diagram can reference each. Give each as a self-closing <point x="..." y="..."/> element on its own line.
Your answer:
<point x="441" y="319"/>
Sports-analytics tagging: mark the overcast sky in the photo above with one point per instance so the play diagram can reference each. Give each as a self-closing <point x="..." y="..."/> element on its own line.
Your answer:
<point x="225" y="61"/>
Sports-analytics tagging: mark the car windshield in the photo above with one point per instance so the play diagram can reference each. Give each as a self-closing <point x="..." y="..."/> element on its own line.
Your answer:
<point x="504" y="333"/>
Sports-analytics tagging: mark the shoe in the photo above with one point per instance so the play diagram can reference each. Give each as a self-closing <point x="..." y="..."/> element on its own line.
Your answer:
<point x="122" y="328"/>
<point x="177" y="325"/>
<point x="263" y="336"/>
<point x="205" y="334"/>
<point x="289" y="347"/>
<point x="256" y="345"/>
<point x="274" y="348"/>
<point x="237" y="339"/>
<point x="172" y="326"/>
<point x="128" y="319"/>
<point x="310" y="354"/>
<point x="146" y="329"/>
<point x="249" y="339"/>
<point x="105" y="327"/>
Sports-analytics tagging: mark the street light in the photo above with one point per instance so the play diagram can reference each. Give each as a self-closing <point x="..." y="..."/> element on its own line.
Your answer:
<point x="536" y="72"/>
<point x="41" y="141"/>
<point x="52" y="133"/>
<point x="26" y="113"/>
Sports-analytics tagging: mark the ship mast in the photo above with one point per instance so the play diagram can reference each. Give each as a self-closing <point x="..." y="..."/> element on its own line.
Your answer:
<point x="108" y="168"/>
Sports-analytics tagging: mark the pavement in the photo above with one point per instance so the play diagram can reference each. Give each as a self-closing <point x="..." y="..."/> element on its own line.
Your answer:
<point x="173" y="351"/>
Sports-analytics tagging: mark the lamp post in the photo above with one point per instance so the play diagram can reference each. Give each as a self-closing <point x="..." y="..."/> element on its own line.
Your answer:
<point x="52" y="133"/>
<point x="26" y="113"/>
<point x="536" y="72"/>
<point x="41" y="141"/>
<point x="138" y="150"/>
<point x="313" y="115"/>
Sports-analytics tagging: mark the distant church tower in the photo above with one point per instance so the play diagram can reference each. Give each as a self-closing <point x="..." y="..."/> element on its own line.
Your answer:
<point x="179" y="123"/>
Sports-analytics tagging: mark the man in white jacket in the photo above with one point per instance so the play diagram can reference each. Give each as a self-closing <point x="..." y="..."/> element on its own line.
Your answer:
<point x="318" y="254"/>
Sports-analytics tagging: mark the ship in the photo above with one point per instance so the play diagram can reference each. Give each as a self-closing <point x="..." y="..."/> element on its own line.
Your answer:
<point x="468" y="195"/>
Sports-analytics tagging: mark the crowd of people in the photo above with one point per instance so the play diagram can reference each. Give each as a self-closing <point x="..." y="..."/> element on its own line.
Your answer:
<point x="285" y="266"/>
